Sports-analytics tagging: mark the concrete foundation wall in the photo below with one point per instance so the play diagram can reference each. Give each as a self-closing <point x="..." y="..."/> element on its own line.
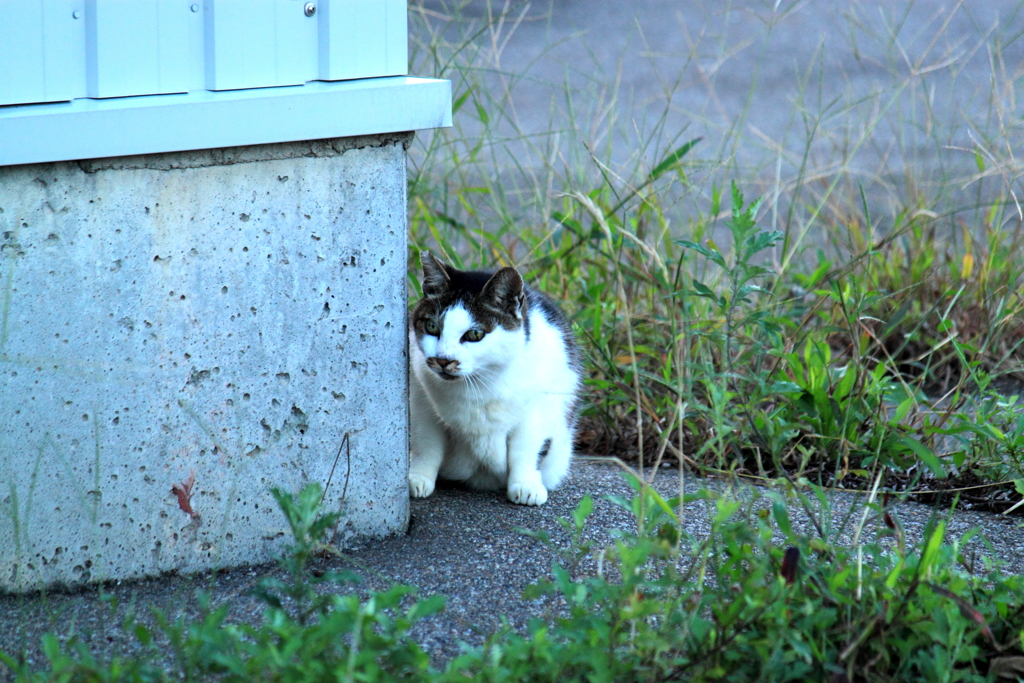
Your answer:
<point x="179" y="333"/>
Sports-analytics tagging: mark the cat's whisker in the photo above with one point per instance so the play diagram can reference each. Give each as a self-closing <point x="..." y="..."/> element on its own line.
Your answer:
<point x="482" y="381"/>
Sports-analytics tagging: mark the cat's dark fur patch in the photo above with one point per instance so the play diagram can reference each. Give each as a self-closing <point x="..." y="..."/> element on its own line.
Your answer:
<point x="445" y="287"/>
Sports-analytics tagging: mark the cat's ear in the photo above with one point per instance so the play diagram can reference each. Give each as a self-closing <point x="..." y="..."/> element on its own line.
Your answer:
<point x="435" y="275"/>
<point x="504" y="291"/>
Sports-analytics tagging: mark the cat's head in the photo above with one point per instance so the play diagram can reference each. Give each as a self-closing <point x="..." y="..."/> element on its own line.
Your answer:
<point x="468" y="322"/>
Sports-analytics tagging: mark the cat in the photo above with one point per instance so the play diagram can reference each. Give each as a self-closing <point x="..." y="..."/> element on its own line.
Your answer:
<point x="493" y="384"/>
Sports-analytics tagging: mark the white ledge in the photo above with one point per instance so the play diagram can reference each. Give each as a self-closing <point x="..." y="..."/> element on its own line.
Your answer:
<point x="91" y="129"/>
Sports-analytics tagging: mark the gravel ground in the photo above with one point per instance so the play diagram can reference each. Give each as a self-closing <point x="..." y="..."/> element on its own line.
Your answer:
<point x="461" y="544"/>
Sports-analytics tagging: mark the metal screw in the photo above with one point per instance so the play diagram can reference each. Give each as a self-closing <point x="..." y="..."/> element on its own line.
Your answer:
<point x="194" y="8"/>
<point x="309" y="9"/>
<point x="76" y="15"/>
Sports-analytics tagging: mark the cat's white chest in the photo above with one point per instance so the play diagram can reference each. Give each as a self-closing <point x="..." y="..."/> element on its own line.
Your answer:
<point x="495" y="415"/>
<point x="497" y="412"/>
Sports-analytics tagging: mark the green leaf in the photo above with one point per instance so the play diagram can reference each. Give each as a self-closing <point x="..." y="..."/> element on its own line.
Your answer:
<point x="661" y="503"/>
<point x="672" y="159"/>
<point x="51" y="647"/>
<point x="931" y="550"/>
<point x="846" y="383"/>
<point x="699" y="248"/>
<point x="582" y="511"/>
<point x="457" y="104"/>
<point x="482" y="113"/>
<point x="762" y="240"/>
<point x="894" y="575"/>
<point x="726" y="509"/>
<point x="926" y="456"/>
<point x="749" y="289"/>
<point x="143" y="635"/>
<point x="785" y="387"/>
<point x="427" y="607"/>
<point x="703" y="290"/>
<point x="781" y="514"/>
<point x="901" y="411"/>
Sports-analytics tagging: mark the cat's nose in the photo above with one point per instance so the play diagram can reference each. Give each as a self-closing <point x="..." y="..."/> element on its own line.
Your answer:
<point x="449" y="365"/>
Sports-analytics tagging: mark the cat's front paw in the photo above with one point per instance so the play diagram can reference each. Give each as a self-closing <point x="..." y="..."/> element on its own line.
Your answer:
<point x="527" y="493"/>
<point x="420" y="486"/>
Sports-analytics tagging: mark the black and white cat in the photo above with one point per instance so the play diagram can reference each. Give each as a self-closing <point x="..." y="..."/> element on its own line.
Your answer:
<point x="493" y="384"/>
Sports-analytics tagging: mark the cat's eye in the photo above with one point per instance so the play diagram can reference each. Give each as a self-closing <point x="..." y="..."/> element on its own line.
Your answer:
<point x="431" y="327"/>
<point x="473" y="335"/>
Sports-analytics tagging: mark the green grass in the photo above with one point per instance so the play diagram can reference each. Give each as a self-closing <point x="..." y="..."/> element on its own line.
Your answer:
<point x="801" y="334"/>
<point x="752" y="600"/>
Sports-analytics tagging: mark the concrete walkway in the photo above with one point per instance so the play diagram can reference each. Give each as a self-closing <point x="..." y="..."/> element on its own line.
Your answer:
<point x="461" y="544"/>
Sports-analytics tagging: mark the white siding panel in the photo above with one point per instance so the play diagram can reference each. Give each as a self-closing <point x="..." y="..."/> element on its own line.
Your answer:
<point x="258" y="43"/>
<point x="38" y="59"/>
<point x="396" y="40"/>
<point x="59" y="50"/>
<point x="363" y="39"/>
<point x="136" y="48"/>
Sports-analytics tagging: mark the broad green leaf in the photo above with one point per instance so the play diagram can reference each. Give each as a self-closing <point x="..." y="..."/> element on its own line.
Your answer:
<point x="901" y="410"/>
<point x="781" y="515"/>
<point x="703" y="290"/>
<point x="926" y="456"/>
<point x="785" y="387"/>
<point x="846" y="383"/>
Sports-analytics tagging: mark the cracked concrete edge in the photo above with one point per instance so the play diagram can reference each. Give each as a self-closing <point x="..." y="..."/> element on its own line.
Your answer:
<point x="227" y="156"/>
